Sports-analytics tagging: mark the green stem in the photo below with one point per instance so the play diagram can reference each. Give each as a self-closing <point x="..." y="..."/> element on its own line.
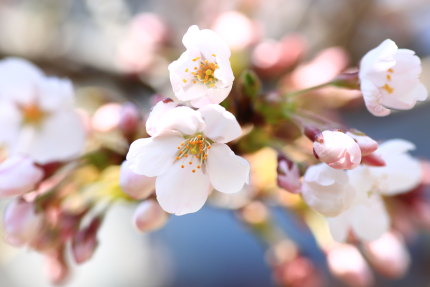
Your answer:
<point x="304" y="91"/>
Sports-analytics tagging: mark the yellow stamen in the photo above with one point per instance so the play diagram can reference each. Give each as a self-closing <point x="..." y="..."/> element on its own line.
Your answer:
<point x="388" y="88"/>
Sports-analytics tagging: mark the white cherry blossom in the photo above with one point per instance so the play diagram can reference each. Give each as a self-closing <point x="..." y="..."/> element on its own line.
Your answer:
<point x="202" y="75"/>
<point x="189" y="157"/>
<point x="37" y="117"/>
<point x="327" y="190"/>
<point x="389" y="79"/>
<point x="367" y="217"/>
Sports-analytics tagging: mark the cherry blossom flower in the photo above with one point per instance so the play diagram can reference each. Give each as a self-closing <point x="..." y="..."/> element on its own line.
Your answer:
<point x="337" y="149"/>
<point x="18" y="175"/>
<point x="367" y="216"/>
<point x="389" y="79"/>
<point x="327" y="190"/>
<point x="202" y="75"/>
<point x="37" y="117"/>
<point x="189" y="157"/>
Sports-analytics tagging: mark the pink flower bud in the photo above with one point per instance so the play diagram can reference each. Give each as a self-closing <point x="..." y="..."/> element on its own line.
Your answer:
<point x="288" y="174"/>
<point x="106" y="118"/>
<point x="135" y="185"/>
<point x="337" y="149"/>
<point x="21" y="223"/>
<point x="129" y="119"/>
<point x="346" y="263"/>
<point x="18" y="175"/>
<point x="149" y="216"/>
<point x="388" y="255"/>
<point x="85" y="242"/>
<point x="367" y="144"/>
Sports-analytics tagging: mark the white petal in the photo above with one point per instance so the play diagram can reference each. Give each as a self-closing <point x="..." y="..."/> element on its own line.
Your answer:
<point x="181" y="120"/>
<point x="339" y="226"/>
<point x="401" y="172"/>
<point x="153" y="156"/>
<point x="55" y="93"/>
<point x="207" y="41"/>
<point x="61" y="136"/>
<point x="18" y="79"/>
<point x="373" y="99"/>
<point x="212" y="96"/>
<point x="220" y="125"/>
<point x="376" y="62"/>
<point x="180" y="191"/>
<point x="18" y="175"/>
<point x="156" y="116"/>
<point x="370" y="220"/>
<point x="10" y="123"/>
<point x="227" y="172"/>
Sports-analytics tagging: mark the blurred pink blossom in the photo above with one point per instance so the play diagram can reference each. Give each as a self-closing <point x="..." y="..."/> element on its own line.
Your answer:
<point x="135" y="185"/>
<point x="346" y="263"/>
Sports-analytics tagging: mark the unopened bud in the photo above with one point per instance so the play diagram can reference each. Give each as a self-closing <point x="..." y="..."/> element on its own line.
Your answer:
<point x="129" y="119"/>
<point x="337" y="150"/>
<point x="149" y="216"/>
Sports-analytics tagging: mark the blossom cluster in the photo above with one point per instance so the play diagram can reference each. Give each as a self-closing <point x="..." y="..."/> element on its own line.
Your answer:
<point x="62" y="168"/>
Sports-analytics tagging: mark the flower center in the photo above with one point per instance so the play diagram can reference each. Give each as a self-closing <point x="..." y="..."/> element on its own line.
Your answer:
<point x="389" y="89"/>
<point x="31" y="113"/>
<point x="194" y="150"/>
<point x="204" y="72"/>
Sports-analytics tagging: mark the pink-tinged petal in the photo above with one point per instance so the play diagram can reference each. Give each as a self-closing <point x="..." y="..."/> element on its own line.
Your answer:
<point x="367" y="144"/>
<point x="21" y="223"/>
<point x="149" y="216"/>
<point x="181" y="191"/>
<point x="220" y="125"/>
<point x="60" y="137"/>
<point x="18" y="175"/>
<point x="135" y="185"/>
<point x="156" y="116"/>
<point x="373" y="99"/>
<point x="227" y="172"/>
<point x="153" y="156"/>
<point x="180" y="120"/>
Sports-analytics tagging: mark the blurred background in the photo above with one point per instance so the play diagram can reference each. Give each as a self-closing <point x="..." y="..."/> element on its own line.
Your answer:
<point x="117" y="50"/>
